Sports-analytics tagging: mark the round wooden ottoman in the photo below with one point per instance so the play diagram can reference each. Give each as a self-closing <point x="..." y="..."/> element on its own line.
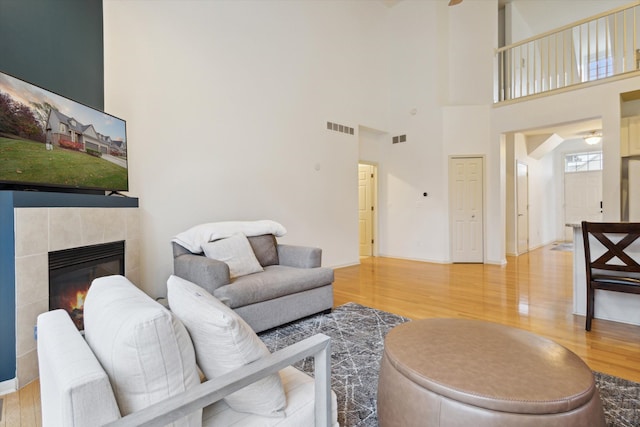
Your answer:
<point x="456" y="372"/>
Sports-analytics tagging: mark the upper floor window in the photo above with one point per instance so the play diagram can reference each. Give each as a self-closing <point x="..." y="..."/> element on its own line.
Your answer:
<point x="601" y="68"/>
<point x="583" y="162"/>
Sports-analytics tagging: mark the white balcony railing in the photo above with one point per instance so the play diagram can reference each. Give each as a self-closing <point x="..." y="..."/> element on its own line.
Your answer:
<point x="603" y="46"/>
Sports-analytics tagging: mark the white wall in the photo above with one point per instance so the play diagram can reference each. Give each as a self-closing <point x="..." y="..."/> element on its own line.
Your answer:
<point x="466" y="122"/>
<point x="227" y="102"/>
<point x="440" y="88"/>
<point x="524" y="19"/>
<point x="516" y="27"/>
<point x="226" y="106"/>
<point x="533" y="17"/>
<point x="542" y="195"/>
<point x="413" y="167"/>
<point x="601" y="101"/>
<point x="543" y="198"/>
<point x="472" y="40"/>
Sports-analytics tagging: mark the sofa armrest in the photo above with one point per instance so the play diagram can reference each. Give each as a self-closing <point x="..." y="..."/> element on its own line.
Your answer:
<point x="75" y="390"/>
<point x="205" y="272"/>
<point x="176" y="407"/>
<point x="299" y="256"/>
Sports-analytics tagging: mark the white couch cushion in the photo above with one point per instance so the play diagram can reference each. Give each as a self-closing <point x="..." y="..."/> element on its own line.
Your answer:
<point x="144" y="349"/>
<point x="236" y="252"/>
<point x="224" y="342"/>
<point x="75" y="390"/>
<point x="300" y="392"/>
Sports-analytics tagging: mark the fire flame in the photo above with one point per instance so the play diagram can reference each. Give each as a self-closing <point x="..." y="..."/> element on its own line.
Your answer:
<point x="80" y="295"/>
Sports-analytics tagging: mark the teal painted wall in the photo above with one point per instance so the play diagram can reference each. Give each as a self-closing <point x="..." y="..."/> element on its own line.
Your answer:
<point x="55" y="44"/>
<point x="7" y="289"/>
<point x="58" y="45"/>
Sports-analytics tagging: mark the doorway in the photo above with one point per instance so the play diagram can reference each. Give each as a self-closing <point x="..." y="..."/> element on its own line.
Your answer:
<point x="466" y="199"/>
<point x="367" y="176"/>
<point x="582" y="189"/>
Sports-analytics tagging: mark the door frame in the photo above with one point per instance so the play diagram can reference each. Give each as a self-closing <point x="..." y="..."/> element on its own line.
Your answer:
<point x="374" y="203"/>
<point x="517" y="201"/>
<point x="483" y="160"/>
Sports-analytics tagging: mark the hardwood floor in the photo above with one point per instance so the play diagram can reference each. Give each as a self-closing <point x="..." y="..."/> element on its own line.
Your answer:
<point x="22" y="408"/>
<point x="532" y="292"/>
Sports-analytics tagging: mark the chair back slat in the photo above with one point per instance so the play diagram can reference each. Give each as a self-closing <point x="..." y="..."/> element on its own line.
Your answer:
<point x="616" y="251"/>
<point x="616" y="256"/>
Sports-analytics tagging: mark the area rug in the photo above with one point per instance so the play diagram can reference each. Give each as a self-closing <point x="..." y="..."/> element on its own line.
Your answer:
<point x="357" y="341"/>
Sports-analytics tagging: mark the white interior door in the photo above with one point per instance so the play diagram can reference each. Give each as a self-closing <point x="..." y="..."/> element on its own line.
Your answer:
<point x="522" y="190"/>
<point x="634" y="190"/>
<point x="466" y="183"/>
<point x="582" y="198"/>
<point x="365" y="208"/>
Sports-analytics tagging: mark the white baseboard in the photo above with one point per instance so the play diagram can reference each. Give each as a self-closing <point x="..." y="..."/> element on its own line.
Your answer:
<point x="533" y="248"/>
<point x="8" y="386"/>
<point x="431" y="261"/>
<point x="351" y="264"/>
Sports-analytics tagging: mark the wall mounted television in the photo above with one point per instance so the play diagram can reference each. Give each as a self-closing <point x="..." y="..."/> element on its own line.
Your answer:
<point x="52" y="143"/>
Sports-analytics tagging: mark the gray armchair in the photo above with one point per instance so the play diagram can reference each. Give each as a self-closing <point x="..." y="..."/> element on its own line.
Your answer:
<point x="293" y="285"/>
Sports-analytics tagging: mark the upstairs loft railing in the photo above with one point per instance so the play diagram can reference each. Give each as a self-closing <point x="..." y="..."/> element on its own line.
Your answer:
<point x="596" y="48"/>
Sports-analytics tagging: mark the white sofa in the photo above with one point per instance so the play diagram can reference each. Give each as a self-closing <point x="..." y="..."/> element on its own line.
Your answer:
<point x="136" y="365"/>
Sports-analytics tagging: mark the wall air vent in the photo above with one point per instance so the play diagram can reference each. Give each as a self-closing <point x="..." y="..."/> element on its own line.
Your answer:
<point x="399" y="138"/>
<point x="339" y="128"/>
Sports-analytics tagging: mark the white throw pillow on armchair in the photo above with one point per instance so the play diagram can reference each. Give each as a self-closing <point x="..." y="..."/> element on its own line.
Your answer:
<point x="224" y="342"/>
<point x="236" y="252"/>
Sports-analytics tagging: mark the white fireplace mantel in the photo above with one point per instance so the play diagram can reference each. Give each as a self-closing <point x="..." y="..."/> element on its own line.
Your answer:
<point x="41" y="223"/>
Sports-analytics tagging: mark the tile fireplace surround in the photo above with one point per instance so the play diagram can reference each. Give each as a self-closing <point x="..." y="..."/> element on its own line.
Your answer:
<point x="79" y="220"/>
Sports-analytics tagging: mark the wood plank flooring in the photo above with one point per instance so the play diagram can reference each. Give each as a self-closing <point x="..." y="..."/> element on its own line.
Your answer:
<point x="22" y="408"/>
<point x="532" y="292"/>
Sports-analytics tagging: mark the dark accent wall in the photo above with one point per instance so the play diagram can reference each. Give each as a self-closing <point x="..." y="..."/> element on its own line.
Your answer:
<point x="7" y="289"/>
<point x="55" y="44"/>
<point x="58" y="45"/>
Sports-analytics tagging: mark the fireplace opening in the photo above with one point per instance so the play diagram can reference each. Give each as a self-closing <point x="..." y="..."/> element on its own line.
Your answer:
<point x="71" y="272"/>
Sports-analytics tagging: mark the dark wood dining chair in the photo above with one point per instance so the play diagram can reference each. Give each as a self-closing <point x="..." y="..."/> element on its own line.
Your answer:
<point x="614" y="270"/>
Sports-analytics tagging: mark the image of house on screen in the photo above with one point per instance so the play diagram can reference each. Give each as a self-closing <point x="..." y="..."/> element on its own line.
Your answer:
<point x="67" y="132"/>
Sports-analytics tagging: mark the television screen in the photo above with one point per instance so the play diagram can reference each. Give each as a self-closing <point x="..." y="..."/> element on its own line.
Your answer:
<point x="51" y="142"/>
